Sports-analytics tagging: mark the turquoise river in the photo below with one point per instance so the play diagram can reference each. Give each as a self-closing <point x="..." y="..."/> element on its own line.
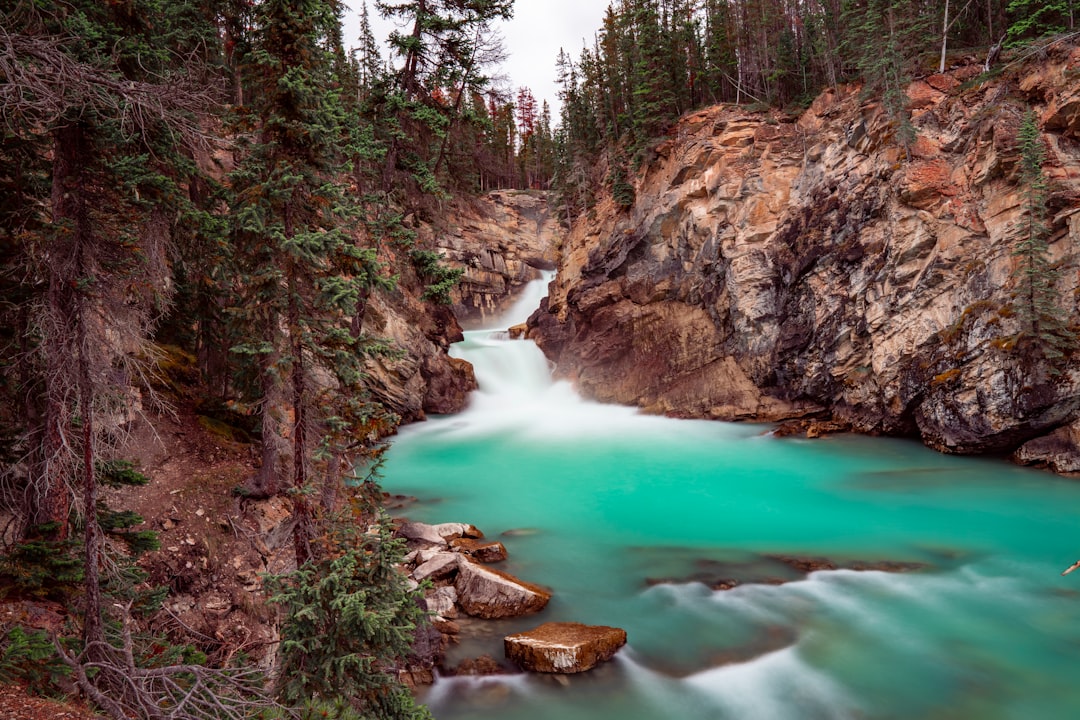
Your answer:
<point x="631" y="519"/>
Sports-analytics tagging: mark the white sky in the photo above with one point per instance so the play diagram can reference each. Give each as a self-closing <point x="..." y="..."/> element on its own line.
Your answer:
<point x="532" y="39"/>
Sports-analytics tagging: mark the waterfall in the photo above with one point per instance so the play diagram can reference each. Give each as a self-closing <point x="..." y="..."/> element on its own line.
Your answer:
<point x="517" y="393"/>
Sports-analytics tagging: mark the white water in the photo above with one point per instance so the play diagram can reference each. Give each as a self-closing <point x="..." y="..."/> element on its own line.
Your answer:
<point x="516" y="390"/>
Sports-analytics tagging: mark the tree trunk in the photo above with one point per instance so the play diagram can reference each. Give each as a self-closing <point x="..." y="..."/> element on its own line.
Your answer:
<point x="944" y="38"/>
<point x="301" y="508"/>
<point x="70" y="223"/>
<point x="93" y="629"/>
<point x="267" y="481"/>
<point x="412" y="61"/>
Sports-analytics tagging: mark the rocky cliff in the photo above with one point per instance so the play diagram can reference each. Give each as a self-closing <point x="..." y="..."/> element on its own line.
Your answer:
<point x="500" y="241"/>
<point x="776" y="266"/>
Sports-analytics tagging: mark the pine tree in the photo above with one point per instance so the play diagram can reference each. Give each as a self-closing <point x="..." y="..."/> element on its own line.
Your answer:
<point x="111" y="104"/>
<point x="302" y="277"/>
<point x="1037" y="18"/>
<point x="368" y="57"/>
<point x="1038" y="307"/>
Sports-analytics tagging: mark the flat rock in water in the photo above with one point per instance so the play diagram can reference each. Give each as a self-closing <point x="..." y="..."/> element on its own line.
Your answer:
<point x="487" y="593"/>
<point x="564" y="647"/>
<point x="485" y="551"/>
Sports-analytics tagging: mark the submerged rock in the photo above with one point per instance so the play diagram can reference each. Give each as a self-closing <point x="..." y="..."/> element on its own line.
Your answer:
<point x="564" y="647"/>
<point x="483" y="665"/>
<point x="487" y="593"/>
<point x="775" y="570"/>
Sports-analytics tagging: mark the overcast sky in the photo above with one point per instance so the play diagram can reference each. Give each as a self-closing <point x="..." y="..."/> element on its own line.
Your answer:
<point x="533" y="38"/>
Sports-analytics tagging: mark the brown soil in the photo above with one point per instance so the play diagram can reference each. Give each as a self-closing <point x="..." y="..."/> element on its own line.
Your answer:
<point x="16" y="703"/>
<point x="211" y="554"/>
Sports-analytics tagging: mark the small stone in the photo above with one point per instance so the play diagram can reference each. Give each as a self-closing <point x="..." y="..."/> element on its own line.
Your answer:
<point x="427" y="553"/>
<point x="200" y="512"/>
<point x="450" y="531"/>
<point x="443" y="602"/>
<point x="441" y="566"/>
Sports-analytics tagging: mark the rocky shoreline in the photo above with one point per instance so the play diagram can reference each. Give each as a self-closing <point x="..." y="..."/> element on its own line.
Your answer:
<point x="451" y="563"/>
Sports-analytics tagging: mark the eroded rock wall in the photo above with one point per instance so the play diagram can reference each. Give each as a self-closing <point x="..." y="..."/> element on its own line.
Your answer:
<point x="775" y="267"/>
<point x="501" y="240"/>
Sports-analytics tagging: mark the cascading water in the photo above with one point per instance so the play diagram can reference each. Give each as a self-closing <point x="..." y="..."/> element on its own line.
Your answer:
<point x="620" y="513"/>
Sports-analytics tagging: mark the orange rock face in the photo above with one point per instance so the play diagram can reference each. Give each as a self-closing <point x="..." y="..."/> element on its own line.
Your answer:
<point x="564" y="647"/>
<point x="774" y="268"/>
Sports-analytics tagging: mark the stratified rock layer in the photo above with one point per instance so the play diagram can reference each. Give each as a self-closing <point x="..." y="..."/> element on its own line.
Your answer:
<point x="563" y="647"/>
<point x="501" y="241"/>
<point x="776" y="267"/>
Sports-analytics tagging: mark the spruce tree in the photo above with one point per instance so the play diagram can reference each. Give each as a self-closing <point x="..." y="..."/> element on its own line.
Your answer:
<point x="349" y="620"/>
<point x="1038" y="307"/>
<point x="301" y="276"/>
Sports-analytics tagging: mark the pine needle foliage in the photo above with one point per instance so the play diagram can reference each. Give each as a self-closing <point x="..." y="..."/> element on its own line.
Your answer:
<point x="349" y="618"/>
<point x="439" y="279"/>
<point x="29" y="656"/>
<point x="1044" y="325"/>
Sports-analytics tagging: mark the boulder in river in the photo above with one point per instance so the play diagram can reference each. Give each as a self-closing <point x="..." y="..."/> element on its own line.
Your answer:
<point x="564" y="647"/>
<point x="421" y="534"/>
<point x="487" y="593"/>
<point x="485" y="551"/>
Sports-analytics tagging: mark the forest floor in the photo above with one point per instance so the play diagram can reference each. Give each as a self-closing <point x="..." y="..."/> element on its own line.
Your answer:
<point x="17" y="703"/>
<point x="210" y="556"/>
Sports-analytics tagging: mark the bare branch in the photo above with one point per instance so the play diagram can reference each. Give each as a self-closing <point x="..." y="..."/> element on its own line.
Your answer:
<point x="43" y="85"/>
<point x="114" y="681"/>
